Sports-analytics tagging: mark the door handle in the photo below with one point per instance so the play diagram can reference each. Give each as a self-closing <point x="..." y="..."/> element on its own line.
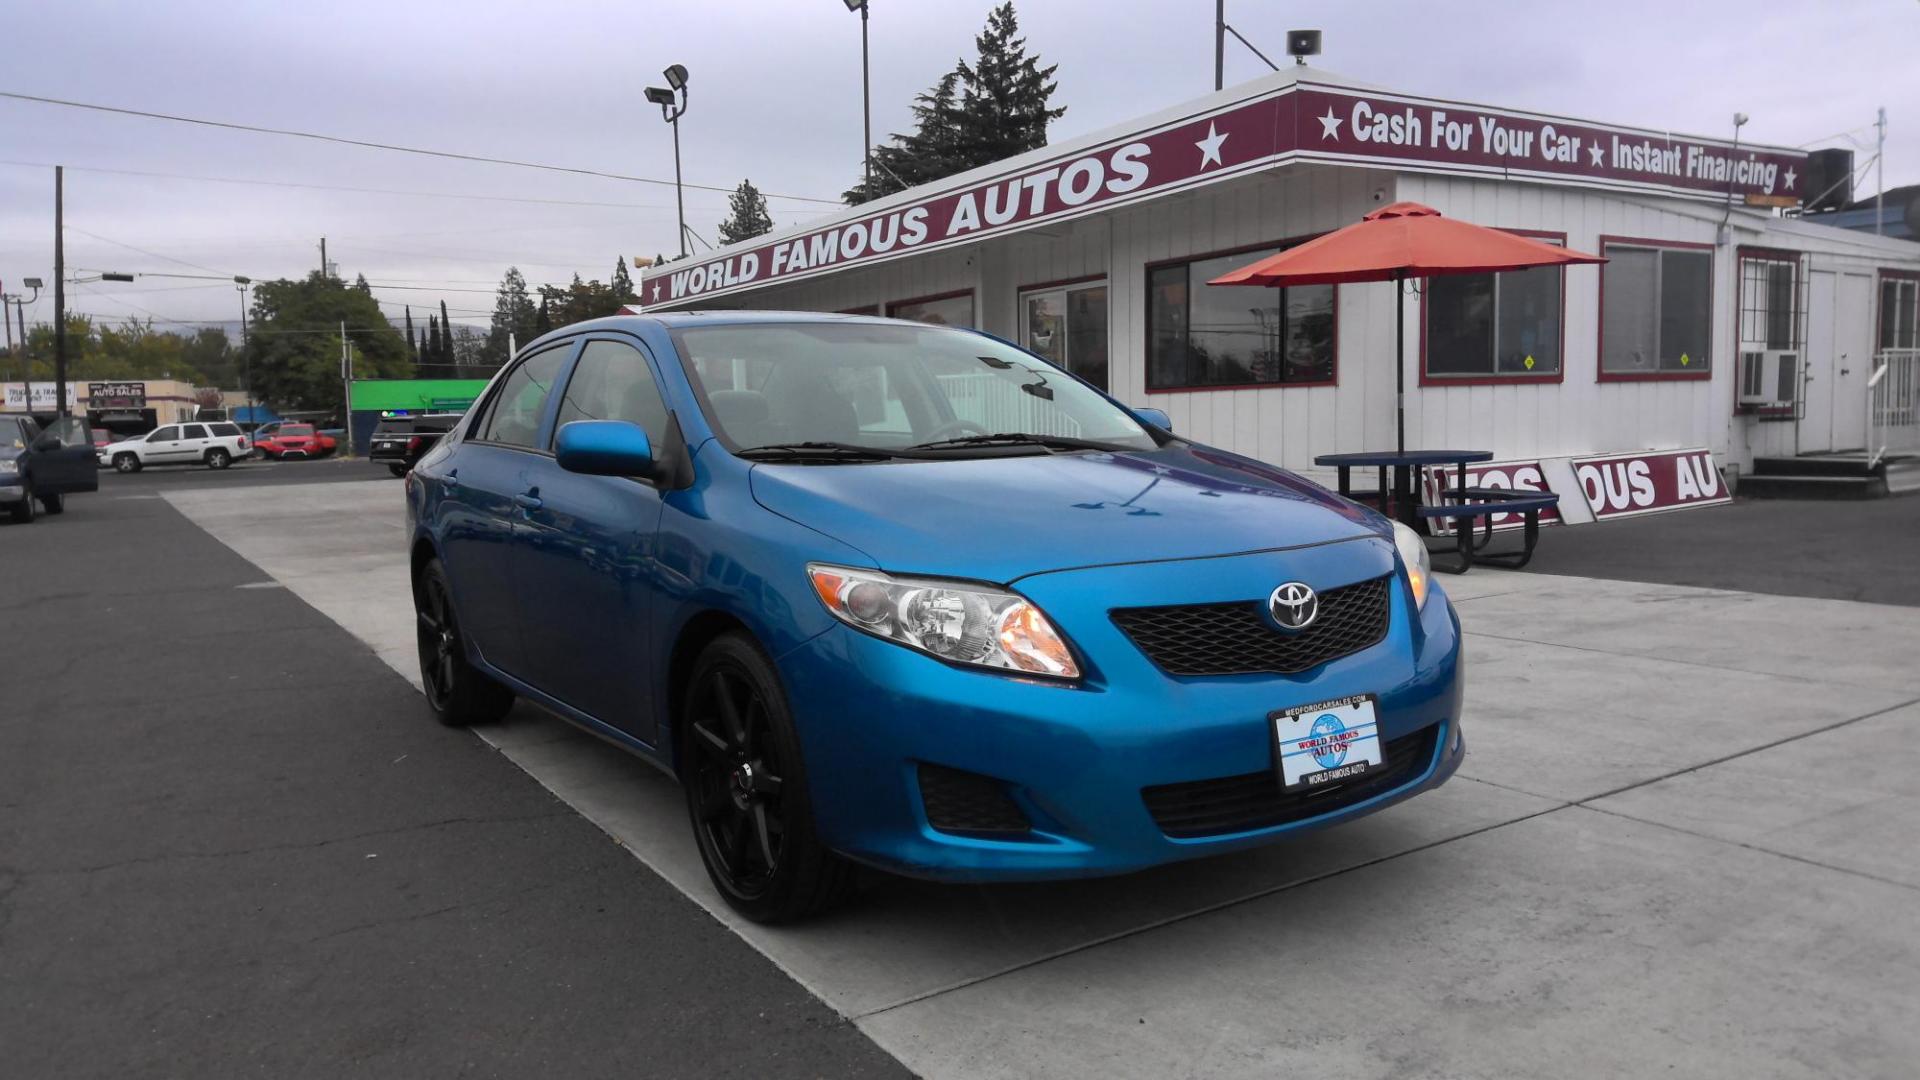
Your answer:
<point x="528" y="500"/>
<point x="453" y="480"/>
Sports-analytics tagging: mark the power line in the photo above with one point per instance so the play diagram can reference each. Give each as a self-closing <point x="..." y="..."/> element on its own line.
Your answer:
<point x="144" y="251"/>
<point x="349" y="188"/>
<point x="385" y="146"/>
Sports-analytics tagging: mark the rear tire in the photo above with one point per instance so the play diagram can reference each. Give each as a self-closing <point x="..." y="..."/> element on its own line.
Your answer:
<point x="747" y="793"/>
<point x="22" y="511"/>
<point x="397" y="470"/>
<point x="218" y="458"/>
<point x="456" y="691"/>
<point x="126" y="463"/>
<point x="53" y="504"/>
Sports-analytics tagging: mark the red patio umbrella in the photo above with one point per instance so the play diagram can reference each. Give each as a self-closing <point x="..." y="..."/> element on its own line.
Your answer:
<point x="1394" y="243"/>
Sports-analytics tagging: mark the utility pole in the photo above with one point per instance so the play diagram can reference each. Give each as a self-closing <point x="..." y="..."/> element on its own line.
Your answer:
<point x="323" y="258"/>
<point x="1219" y="44"/>
<point x="59" y="296"/>
<point x="1880" y="173"/>
<point x="866" y="103"/>
<point x="346" y="384"/>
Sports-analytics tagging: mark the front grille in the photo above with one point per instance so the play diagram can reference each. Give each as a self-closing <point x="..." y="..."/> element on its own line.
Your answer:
<point x="1231" y="804"/>
<point x="968" y="803"/>
<point x="1239" y="639"/>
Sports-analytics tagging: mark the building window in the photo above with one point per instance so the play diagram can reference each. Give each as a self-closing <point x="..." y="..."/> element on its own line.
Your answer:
<point x="1656" y="310"/>
<point x="1769" y="301"/>
<point x="1068" y="326"/>
<point x="955" y="309"/>
<point x="1200" y="336"/>
<point x="1899" y="312"/>
<point x="1504" y="326"/>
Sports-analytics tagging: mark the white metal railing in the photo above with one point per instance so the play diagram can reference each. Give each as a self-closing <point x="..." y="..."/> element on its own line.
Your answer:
<point x="996" y="404"/>
<point x="1893" y="404"/>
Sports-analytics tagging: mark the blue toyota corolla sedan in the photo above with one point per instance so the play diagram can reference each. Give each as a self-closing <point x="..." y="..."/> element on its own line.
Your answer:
<point x="905" y="595"/>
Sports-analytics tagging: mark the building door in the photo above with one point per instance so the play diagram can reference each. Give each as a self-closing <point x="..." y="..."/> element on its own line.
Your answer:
<point x="1068" y="325"/>
<point x="1817" y="387"/>
<point x="1853" y="357"/>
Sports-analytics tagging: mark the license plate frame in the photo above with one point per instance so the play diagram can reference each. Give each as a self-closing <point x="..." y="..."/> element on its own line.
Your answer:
<point x="1326" y="742"/>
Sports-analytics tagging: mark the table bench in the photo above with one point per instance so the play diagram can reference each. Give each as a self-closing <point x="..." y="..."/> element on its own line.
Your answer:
<point x="1467" y="503"/>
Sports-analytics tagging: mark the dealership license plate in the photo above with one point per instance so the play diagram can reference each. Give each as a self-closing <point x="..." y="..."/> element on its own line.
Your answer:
<point x="1325" y="742"/>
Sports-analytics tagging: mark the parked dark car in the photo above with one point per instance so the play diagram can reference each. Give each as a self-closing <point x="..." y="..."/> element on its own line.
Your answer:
<point x="44" y="465"/>
<point x="401" y="441"/>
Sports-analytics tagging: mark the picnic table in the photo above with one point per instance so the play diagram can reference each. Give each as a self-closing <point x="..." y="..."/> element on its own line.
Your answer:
<point x="1459" y="504"/>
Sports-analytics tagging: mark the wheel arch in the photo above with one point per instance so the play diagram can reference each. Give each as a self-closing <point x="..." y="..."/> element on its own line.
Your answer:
<point x="695" y="635"/>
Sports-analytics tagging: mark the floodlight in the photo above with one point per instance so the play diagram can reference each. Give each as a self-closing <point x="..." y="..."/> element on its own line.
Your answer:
<point x="660" y="96"/>
<point x="676" y="76"/>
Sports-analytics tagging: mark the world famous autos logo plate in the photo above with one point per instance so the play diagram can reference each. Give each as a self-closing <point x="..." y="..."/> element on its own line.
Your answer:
<point x="1328" y="741"/>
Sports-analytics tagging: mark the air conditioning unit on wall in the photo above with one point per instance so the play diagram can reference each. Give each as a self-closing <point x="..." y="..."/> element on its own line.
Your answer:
<point x="1769" y="377"/>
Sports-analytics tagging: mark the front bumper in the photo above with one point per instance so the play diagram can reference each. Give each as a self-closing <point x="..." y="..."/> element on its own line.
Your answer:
<point x="1076" y="758"/>
<point x="11" y="489"/>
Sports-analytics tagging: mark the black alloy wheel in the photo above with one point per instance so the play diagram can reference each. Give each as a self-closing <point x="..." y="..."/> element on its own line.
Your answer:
<point x="746" y="791"/>
<point x="457" y="693"/>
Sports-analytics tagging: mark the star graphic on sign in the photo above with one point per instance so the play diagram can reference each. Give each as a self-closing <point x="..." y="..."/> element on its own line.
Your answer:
<point x="1329" y="125"/>
<point x="656" y="292"/>
<point x="1789" y="178"/>
<point x="1599" y="158"/>
<point x="1210" y="147"/>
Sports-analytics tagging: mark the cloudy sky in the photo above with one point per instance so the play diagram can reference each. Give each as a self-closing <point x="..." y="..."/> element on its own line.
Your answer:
<point x="775" y="97"/>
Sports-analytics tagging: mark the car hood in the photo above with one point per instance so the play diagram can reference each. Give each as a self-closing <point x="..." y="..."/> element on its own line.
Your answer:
<point x="1003" y="518"/>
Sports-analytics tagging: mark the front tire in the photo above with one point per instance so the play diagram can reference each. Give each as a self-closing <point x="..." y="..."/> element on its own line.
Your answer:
<point x="399" y="471"/>
<point x="457" y="692"/>
<point x="747" y="791"/>
<point x="218" y="458"/>
<point x="53" y="504"/>
<point x="126" y="463"/>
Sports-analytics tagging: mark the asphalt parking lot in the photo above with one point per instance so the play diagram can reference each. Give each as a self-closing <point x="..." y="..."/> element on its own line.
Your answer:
<point x="1681" y="844"/>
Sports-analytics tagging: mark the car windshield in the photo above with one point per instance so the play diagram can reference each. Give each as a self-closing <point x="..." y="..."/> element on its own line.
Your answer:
<point x="13" y="433"/>
<point x="296" y="430"/>
<point x="890" y="387"/>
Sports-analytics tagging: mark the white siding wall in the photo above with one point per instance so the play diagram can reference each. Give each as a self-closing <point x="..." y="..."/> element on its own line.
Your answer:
<point x="1289" y="426"/>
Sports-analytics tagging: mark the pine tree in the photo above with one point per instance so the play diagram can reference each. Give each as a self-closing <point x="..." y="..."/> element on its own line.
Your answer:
<point x="512" y="317"/>
<point x="975" y="115"/>
<point x="413" y="348"/>
<point x="543" y="322"/>
<point x="620" y="284"/>
<point x="433" y="340"/>
<point x="446" y="335"/>
<point x="748" y="217"/>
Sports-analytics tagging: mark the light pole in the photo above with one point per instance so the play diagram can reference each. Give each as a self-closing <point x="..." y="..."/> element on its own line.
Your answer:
<point x="246" y="355"/>
<point x="20" y="310"/>
<point x="866" y="96"/>
<point x="672" y="100"/>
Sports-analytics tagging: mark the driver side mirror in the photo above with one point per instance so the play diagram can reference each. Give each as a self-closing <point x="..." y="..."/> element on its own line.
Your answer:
<point x="47" y="441"/>
<point x="604" y="448"/>
<point x="1157" y="417"/>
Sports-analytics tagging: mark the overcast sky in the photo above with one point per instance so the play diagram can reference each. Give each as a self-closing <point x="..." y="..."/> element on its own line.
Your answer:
<point x="775" y="97"/>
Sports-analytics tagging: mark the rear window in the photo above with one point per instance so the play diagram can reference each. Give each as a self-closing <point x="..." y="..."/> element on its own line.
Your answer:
<point x="225" y="430"/>
<point x="394" y="427"/>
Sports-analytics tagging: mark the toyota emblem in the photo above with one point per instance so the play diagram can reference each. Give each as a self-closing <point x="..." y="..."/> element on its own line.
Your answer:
<point x="1294" y="606"/>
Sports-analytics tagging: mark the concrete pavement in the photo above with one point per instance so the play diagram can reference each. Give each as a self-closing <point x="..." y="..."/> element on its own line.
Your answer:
<point x="1677" y="845"/>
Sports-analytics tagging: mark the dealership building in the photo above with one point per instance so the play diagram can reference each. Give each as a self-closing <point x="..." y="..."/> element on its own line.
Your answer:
<point x="1718" y="333"/>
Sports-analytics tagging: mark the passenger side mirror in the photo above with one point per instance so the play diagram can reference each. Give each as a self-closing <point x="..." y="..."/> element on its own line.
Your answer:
<point x="1157" y="417"/>
<point x="604" y="448"/>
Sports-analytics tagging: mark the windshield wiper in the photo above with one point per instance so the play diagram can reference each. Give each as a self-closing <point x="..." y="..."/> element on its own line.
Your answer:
<point x="824" y="451"/>
<point x="1024" y="438"/>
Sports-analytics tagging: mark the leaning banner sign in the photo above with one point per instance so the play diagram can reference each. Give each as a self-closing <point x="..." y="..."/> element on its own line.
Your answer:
<point x="1224" y="137"/>
<point x="1506" y="475"/>
<point x="1623" y="485"/>
<point x="37" y="397"/>
<point x="117" y="395"/>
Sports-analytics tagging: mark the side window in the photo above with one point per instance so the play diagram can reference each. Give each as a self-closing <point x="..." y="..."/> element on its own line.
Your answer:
<point x="71" y="431"/>
<point x="165" y="434"/>
<point x="613" y="382"/>
<point x="194" y="431"/>
<point x="226" y="430"/>
<point x="515" y="416"/>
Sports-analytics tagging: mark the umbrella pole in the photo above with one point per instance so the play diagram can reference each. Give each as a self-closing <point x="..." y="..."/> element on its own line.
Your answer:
<point x="1400" y="362"/>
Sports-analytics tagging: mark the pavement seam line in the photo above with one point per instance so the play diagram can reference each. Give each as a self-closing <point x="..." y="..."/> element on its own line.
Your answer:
<point x="1754" y="848"/>
<point x="1665" y="659"/>
<point x="1158" y="924"/>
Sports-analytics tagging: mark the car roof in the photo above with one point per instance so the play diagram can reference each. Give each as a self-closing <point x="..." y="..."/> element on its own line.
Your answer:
<point x="678" y="320"/>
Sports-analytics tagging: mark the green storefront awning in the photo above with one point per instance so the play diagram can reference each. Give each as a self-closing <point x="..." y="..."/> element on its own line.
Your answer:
<point x="418" y="395"/>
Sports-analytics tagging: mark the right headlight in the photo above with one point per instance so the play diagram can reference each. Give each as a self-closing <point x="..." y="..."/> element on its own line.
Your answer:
<point x="953" y="620"/>
<point x="1413" y="552"/>
<point x="9" y="466"/>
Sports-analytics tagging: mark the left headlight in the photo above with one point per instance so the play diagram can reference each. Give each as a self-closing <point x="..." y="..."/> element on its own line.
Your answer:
<point x="9" y="466"/>
<point x="957" y="621"/>
<point x="1413" y="552"/>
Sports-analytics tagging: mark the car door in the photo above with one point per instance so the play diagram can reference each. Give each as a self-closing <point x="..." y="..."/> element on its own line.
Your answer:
<point x="70" y="464"/>
<point x="583" y="565"/>
<point x="477" y="513"/>
<point x="162" y="446"/>
<point x="194" y="442"/>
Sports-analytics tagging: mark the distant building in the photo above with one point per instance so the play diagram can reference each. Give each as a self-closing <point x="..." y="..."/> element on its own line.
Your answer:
<point x="1898" y="214"/>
